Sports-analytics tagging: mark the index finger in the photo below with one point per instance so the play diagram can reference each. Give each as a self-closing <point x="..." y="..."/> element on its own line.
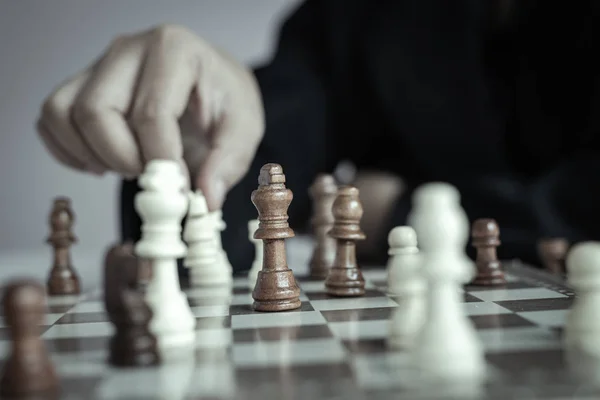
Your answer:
<point x="168" y="77"/>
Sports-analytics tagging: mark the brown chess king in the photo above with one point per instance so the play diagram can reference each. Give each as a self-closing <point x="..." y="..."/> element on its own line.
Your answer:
<point x="276" y="288"/>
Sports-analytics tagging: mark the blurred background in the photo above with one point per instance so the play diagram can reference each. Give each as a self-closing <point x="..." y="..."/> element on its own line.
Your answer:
<point x="44" y="42"/>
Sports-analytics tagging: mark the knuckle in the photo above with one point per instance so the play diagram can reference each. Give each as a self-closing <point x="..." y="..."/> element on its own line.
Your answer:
<point x="54" y="108"/>
<point x="169" y="33"/>
<point x="119" y="42"/>
<point x="148" y="114"/>
<point x="86" y="111"/>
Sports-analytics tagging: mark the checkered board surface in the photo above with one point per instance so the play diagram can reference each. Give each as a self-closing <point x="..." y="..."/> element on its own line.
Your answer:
<point x="329" y="348"/>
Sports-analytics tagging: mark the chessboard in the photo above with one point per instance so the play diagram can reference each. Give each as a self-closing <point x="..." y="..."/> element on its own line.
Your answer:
<point x="328" y="348"/>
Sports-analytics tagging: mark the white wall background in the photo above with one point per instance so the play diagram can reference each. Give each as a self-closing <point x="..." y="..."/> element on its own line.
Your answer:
<point x="42" y="42"/>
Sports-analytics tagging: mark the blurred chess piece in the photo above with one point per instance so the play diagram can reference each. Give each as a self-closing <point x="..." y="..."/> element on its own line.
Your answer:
<point x="124" y="278"/>
<point x="407" y="286"/>
<point x="323" y="192"/>
<point x="28" y="371"/>
<point x="63" y="279"/>
<point x="258" y="253"/>
<point x="552" y="253"/>
<point x="345" y="278"/>
<point x="485" y="235"/>
<point x="205" y="255"/>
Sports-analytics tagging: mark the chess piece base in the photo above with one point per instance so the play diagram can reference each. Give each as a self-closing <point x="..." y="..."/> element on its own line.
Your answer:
<point x="490" y="280"/>
<point x="276" y="291"/>
<point x="133" y="351"/>
<point x="345" y="282"/>
<point x="276" y="305"/>
<point x="61" y="286"/>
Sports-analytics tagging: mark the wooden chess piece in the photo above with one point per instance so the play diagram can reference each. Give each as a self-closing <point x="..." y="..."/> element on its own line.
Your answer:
<point x="323" y="192"/>
<point x="345" y="278"/>
<point x="28" y="372"/>
<point x="553" y="253"/>
<point x="276" y="288"/>
<point x="485" y="235"/>
<point x="124" y="276"/>
<point x="63" y="279"/>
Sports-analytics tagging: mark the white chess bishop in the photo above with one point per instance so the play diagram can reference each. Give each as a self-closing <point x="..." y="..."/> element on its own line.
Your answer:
<point x="406" y="284"/>
<point x="258" y="254"/>
<point x="204" y="257"/>
<point x="447" y="345"/>
<point x="582" y="328"/>
<point x="162" y="205"/>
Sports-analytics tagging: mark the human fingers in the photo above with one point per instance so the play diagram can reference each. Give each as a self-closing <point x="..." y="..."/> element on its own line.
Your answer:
<point x="169" y="75"/>
<point x="56" y="120"/>
<point x="100" y="108"/>
<point x="236" y="140"/>
<point x="56" y="150"/>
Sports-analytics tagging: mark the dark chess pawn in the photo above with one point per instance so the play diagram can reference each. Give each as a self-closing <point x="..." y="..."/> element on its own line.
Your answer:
<point x="345" y="278"/>
<point x="553" y="253"/>
<point x="28" y="372"/>
<point x="485" y="235"/>
<point x="63" y="279"/>
<point x="132" y="344"/>
<point x="322" y="192"/>
<point x="276" y="288"/>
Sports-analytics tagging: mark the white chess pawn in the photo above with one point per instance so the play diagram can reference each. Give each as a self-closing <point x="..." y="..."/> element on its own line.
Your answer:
<point x="447" y="345"/>
<point x="220" y="227"/>
<point x="204" y="257"/>
<point x="258" y="254"/>
<point x="162" y="205"/>
<point x="582" y="328"/>
<point x="407" y="285"/>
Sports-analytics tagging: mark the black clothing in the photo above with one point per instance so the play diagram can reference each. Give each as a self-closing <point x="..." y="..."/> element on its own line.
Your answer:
<point x="506" y="109"/>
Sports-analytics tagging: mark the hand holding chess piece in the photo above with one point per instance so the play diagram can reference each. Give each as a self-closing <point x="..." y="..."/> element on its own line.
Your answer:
<point x="62" y="280"/>
<point x="28" y="370"/>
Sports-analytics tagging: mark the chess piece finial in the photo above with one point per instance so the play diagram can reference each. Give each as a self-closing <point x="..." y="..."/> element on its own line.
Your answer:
<point x="402" y="239"/>
<point x="344" y="277"/>
<point x="276" y="288"/>
<point x="63" y="279"/>
<point x="485" y="234"/>
<point x="132" y="343"/>
<point x="552" y="253"/>
<point x="323" y="192"/>
<point x="28" y="370"/>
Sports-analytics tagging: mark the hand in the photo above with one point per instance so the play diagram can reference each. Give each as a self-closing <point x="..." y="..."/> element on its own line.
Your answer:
<point x="126" y="109"/>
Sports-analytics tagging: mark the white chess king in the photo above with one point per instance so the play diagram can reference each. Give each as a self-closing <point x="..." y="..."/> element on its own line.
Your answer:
<point x="162" y="205"/>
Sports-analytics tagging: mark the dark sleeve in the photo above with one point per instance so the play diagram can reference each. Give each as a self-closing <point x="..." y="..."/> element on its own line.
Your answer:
<point x="296" y="101"/>
<point x="298" y="135"/>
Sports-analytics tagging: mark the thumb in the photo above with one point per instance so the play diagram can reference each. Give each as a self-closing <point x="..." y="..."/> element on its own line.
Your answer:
<point x="228" y="160"/>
